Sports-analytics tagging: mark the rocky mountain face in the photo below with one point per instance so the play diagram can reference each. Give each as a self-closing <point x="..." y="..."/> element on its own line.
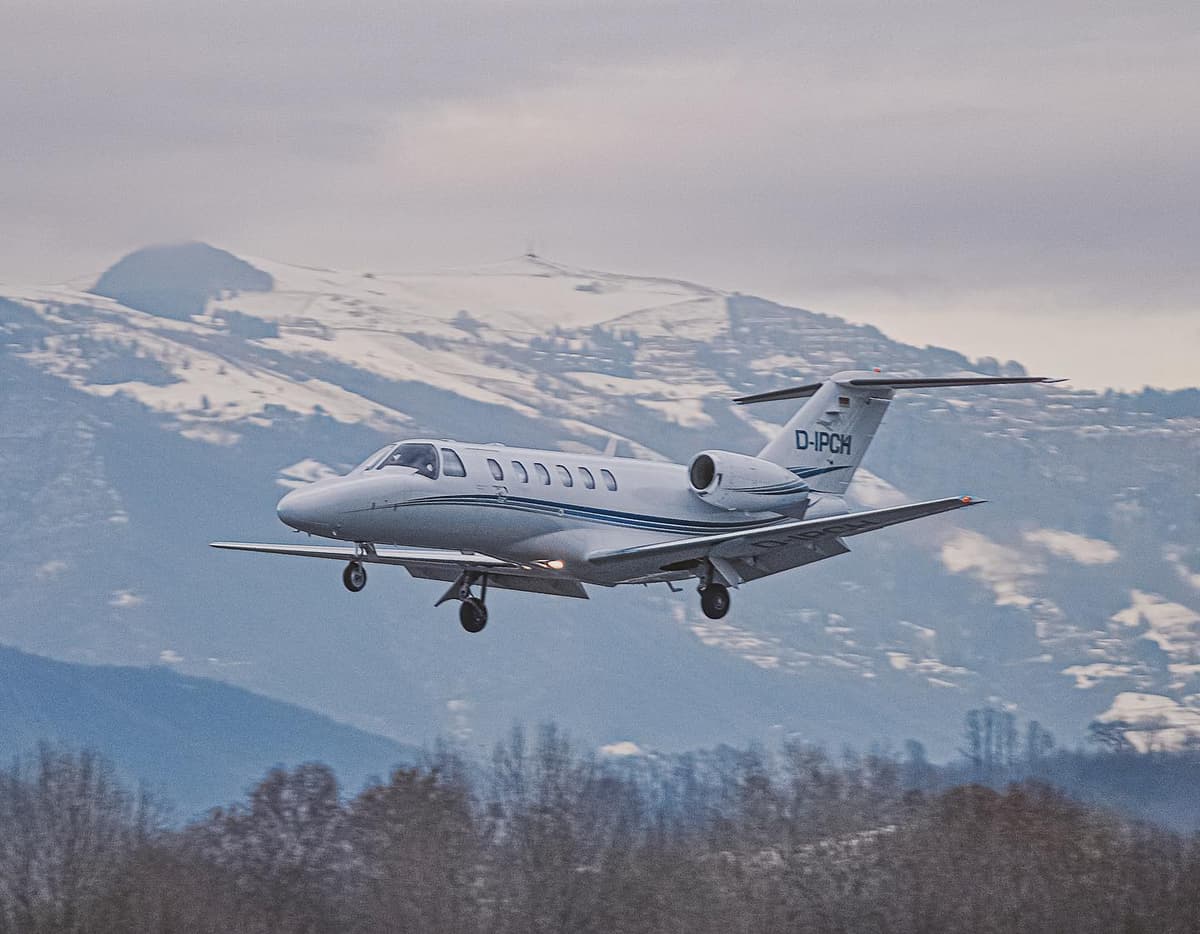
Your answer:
<point x="175" y="402"/>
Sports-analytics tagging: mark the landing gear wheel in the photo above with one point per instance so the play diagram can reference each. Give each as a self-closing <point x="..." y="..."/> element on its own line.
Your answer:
<point x="473" y="614"/>
<point x="714" y="600"/>
<point x="354" y="577"/>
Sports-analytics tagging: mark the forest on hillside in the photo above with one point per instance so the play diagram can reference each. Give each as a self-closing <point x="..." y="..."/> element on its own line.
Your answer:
<point x="546" y="838"/>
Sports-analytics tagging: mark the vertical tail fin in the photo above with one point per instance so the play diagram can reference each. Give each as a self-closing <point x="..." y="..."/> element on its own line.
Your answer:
<point x="824" y="442"/>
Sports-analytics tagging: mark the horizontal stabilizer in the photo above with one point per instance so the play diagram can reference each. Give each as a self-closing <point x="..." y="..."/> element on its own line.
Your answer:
<point x="775" y="395"/>
<point x="892" y="382"/>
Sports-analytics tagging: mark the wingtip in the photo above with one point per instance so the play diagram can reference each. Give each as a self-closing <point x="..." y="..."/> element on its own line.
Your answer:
<point x="971" y="500"/>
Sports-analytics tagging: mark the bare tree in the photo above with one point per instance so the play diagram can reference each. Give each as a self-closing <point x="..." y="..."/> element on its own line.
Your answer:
<point x="418" y="854"/>
<point x="67" y="827"/>
<point x="285" y="851"/>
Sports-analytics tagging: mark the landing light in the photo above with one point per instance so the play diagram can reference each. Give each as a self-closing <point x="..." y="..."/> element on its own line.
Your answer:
<point x="557" y="564"/>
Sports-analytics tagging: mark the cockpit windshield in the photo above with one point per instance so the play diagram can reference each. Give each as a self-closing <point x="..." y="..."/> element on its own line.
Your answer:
<point x="421" y="457"/>
<point x="372" y="460"/>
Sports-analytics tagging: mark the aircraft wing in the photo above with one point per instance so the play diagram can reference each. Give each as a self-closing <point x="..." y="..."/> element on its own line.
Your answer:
<point x="401" y="556"/>
<point x="801" y="540"/>
<point x="429" y="564"/>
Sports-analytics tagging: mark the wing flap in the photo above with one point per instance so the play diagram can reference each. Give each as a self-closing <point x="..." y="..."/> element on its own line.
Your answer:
<point x="814" y="534"/>
<point x="555" y="586"/>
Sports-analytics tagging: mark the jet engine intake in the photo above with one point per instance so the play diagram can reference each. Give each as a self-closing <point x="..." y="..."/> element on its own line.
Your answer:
<point x="739" y="482"/>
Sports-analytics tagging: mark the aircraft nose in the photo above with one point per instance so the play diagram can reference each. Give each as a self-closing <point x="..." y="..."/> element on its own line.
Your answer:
<point x="288" y="509"/>
<point x="302" y="509"/>
<point x="314" y="508"/>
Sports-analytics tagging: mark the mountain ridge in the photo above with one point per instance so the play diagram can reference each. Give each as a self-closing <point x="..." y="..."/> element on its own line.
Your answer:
<point x="185" y="429"/>
<point x="202" y="741"/>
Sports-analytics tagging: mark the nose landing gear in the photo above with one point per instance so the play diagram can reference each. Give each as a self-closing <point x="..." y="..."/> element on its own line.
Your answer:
<point x="354" y="577"/>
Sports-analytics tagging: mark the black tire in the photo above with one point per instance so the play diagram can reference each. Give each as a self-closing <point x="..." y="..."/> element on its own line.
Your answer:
<point x="473" y="615"/>
<point x="714" y="601"/>
<point x="354" y="577"/>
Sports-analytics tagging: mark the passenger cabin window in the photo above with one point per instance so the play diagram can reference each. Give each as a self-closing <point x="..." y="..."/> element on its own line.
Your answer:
<point x="588" y="480"/>
<point x="609" y="480"/>
<point x="496" y="469"/>
<point x="522" y="473"/>
<point x="564" y="475"/>
<point x="421" y="457"/>
<point x="542" y="473"/>
<point x="452" y="465"/>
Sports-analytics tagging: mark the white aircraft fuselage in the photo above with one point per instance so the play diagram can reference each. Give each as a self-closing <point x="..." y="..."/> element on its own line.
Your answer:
<point x="550" y="522"/>
<point x="526" y="521"/>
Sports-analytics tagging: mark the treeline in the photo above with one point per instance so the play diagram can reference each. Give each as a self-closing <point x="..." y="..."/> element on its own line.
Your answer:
<point x="1161" y="783"/>
<point x="544" y="838"/>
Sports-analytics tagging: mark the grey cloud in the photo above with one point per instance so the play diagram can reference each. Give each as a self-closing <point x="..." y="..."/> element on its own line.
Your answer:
<point x="929" y="149"/>
<point x="165" y="72"/>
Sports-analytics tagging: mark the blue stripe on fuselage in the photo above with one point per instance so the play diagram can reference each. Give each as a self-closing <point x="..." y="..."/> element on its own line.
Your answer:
<point x="814" y="471"/>
<point x="588" y="513"/>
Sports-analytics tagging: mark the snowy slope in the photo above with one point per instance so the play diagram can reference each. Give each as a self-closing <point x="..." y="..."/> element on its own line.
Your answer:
<point x="396" y="328"/>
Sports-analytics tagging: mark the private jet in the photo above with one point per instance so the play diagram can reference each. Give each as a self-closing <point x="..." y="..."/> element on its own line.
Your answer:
<point x="484" y="516"/>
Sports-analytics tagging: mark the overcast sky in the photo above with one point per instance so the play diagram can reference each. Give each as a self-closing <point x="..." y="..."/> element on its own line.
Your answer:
<point x="1019" y="179"/>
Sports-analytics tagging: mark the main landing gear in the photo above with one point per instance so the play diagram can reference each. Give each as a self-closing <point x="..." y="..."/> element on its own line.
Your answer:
<point x="714" y="600"/>
<point x="714" y="596"/>
<point x="472" y="614"/>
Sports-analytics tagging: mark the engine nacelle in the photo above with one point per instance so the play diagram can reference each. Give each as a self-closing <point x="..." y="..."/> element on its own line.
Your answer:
<point x="744" y="483"/>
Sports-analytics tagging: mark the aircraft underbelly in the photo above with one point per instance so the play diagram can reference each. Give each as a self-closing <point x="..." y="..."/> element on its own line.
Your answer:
<point x="529" y="531"/>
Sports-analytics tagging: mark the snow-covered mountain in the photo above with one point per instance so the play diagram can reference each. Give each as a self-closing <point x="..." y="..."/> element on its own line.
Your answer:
<point x="171" y="410"/>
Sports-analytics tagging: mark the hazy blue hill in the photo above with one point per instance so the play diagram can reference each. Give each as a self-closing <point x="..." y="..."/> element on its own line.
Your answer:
<point x="177" y="280"/>
<point x="200" y="740"/>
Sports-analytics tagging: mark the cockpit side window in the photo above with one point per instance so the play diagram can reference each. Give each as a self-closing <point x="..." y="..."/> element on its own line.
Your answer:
<point x="496" y="469"/>
<point x="452" y="465"/>
<point x="421" y="457"/>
